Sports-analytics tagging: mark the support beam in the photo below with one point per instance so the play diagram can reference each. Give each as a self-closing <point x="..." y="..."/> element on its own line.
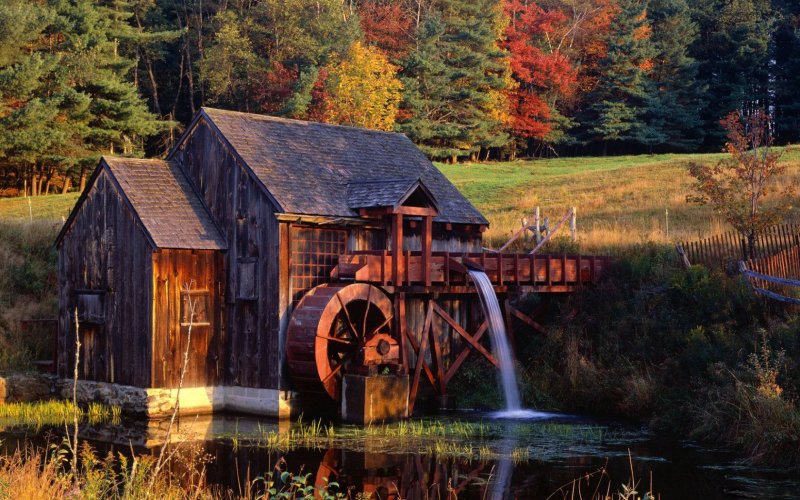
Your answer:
<point x="427" y="249"/>
<point x="469" y="338"/>
<point x="397" y="249"/>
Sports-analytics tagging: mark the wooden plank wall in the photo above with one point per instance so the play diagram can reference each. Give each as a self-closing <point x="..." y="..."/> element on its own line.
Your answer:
<point x="253" y="338"/>
<point x="201" y="270"/>
<point x="106" y="250"/>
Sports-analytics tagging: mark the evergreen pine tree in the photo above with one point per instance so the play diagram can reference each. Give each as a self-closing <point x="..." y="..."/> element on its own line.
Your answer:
<point x="616" y="106"/>
<point x="452" y="78"/>
<point x="786" y="57"/>
<point x="733" y="52"/>
<point x="673" y="96"/>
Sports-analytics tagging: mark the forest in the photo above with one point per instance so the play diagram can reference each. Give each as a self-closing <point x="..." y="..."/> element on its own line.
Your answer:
<point x="464" y="79"/>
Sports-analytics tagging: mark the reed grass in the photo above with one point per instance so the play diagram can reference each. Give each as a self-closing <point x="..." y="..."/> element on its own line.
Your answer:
<point x="39" y="414"/>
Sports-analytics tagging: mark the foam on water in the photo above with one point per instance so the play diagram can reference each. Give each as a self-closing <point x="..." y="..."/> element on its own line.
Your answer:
<point x="522" y="415"/>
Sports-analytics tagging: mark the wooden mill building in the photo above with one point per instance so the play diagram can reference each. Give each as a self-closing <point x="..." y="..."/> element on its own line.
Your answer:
<point x="262" y="237"/>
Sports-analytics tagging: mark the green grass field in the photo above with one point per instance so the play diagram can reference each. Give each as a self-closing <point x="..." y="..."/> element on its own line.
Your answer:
<point x="620" y="200"/>
<point x="51" y="207"/>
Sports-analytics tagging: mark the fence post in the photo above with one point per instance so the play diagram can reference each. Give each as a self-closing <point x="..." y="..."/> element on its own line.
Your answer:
<point x="573" y="224"/>
<point x="537" y="222"/>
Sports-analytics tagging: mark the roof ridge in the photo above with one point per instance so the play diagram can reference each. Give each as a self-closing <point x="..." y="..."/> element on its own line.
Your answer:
<point x="273" y="118"/>
<point x="385" y="180"/>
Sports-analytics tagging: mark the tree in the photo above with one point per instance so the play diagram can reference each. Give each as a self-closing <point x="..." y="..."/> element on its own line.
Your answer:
<point x="737" y="186"/>
<point x="785" y="50"/>
<point x="674" y="97"/>
<point x="451" y="80"/>
<point x="544" y="75"/>
<point x="231" y="68"/>
<point x="365" y="91"/>
<point x="733" y="51"/>
<point x="386" y="25"/>
<point x="615" y="107"/>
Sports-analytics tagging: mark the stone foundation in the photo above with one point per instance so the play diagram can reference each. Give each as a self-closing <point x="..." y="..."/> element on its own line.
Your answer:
<point x="153" y="402"/>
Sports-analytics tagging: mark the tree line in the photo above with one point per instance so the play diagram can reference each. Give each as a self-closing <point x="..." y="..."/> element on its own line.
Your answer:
<point x="464" y="79"/>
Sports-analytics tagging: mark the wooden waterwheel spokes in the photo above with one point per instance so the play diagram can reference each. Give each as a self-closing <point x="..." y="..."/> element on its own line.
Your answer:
<point x="329" y="330"/>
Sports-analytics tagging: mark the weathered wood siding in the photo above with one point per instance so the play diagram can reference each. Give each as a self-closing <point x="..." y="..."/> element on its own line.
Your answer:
<point x="106" y="251"/>
<point x="202" y="273"/>
<point x="253" y="343"/>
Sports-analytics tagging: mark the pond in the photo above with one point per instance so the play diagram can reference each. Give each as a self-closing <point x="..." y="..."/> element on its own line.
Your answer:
<point x="467" y="454"/>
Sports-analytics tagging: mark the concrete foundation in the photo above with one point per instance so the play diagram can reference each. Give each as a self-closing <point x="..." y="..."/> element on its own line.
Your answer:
<point x="377" y="398"/>
<point x="152" y="402"/>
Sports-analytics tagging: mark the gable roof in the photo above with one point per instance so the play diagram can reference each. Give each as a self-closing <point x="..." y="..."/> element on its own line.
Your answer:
<point x="385" y="193"/>
<point x="170" y="211"/>
<point x="306" y="167"/>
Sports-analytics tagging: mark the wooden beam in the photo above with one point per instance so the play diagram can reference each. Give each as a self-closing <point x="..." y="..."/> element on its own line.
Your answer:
<point x="415" y="211"/>
<point x="465" y="353"/>
<point x="526" y="319"/>
<point x="397" y="249"/>
<point x="427" y="249"/>
<point x="412" y="395"/>
<point x="469" y="338"/>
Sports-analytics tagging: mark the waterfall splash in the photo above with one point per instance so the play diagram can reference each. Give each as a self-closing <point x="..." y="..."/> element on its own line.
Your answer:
<point x="501" y="349"/>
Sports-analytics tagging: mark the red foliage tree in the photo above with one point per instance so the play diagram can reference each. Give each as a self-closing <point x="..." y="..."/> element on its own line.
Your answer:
<point x="542" y="70"/>
<point x="386" y="25"/>
<point x="275" y="88"/>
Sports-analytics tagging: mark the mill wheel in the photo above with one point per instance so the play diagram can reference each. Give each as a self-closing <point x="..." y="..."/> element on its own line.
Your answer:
<point x="338" y="329"/>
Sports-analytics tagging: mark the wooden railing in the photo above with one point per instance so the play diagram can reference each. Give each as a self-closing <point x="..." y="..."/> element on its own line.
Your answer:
<point x="724" y="250"/>
<point x="554" y="273"/>
<point x="776" y="276"/>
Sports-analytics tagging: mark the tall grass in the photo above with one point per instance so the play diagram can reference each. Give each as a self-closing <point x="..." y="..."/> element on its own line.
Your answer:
<point x="27" y="289"/>
<point x="56" y="412"/>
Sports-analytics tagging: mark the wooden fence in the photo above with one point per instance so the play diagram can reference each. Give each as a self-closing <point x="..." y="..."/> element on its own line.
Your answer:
<point x="776" y="276"/>
<point x="724" y="250"/>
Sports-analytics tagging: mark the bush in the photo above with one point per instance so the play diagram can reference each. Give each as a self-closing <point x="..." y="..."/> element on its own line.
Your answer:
<point x="28" y="287"/>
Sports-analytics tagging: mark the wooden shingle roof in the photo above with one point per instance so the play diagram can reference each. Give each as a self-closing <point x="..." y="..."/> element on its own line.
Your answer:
<point x="384" y="192"/>
<point x="167" y="205"/>
<point x="307" y="167"/>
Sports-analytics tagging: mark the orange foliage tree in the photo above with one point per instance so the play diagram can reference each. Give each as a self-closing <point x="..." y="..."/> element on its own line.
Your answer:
<point x="737" y="186"/>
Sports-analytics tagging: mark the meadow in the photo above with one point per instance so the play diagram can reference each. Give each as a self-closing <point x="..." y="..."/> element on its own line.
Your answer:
<point x="620" y="200"/>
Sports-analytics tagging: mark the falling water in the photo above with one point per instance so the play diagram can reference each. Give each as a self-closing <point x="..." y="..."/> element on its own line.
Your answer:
<point x="501" y="348"/>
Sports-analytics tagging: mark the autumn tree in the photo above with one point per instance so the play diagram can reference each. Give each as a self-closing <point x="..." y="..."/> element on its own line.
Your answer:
<point x="364" y="89"/>
<point x="543" y="73"/>
<point x="737" y="186"/>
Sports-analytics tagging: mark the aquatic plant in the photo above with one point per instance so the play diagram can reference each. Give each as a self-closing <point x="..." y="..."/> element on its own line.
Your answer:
<point x="56" y="412"/>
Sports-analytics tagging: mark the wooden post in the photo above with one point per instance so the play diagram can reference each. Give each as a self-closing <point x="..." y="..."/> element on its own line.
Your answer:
<point x="573" y="227"/>
<point x="397" y="249"/>
<point x="537" y="223"/>
<point x="427" y="245"/>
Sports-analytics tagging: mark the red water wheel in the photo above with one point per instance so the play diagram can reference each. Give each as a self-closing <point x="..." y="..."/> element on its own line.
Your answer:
<point x="332" y="331"/>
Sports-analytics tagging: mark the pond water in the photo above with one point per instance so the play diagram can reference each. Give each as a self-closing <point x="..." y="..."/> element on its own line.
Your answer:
<point x="470" y="454"/>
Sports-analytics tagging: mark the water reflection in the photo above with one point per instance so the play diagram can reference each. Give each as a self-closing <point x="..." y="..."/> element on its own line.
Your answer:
<point x="509" y="459"/>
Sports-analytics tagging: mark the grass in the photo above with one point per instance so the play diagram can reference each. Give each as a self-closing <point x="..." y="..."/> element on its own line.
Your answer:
<point x="620" y="200"/>
<point x="55" y="412"/>
<point x="51" y="207"/>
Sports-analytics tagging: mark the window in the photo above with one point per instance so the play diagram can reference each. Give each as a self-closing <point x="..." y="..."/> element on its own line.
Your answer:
<point x="194" y="308"/>
<point x="246" y="280"/>
<point x="90" y="306"/>
<point x="315" y="252"/>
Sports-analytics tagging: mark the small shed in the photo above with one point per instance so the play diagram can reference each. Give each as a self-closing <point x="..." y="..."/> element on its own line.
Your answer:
<point x="137" y="252"/>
